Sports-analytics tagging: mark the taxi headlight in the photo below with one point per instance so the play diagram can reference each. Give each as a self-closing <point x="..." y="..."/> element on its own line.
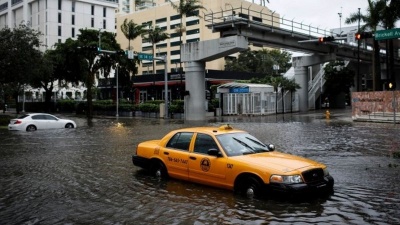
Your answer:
<point x="293" y="179"/>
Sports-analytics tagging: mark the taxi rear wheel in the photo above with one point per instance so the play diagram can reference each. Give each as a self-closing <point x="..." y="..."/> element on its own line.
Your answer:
<point x="159" y="170"/>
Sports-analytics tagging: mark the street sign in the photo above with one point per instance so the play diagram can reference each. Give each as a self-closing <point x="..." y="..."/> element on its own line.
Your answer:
<point x="144" y="56"/>
<point x="130" y="54"/>
<point x="387" y="34"/>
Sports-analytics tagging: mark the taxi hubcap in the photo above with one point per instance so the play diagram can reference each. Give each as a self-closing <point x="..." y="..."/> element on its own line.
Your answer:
<point x="250" y="192"/>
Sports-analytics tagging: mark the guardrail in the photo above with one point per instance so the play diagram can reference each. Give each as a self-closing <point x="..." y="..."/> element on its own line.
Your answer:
<point x="266" y="18"/>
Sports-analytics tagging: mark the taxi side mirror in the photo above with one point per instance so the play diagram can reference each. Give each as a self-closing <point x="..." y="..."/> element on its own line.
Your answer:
<point x="214" y="152"/>
<point x="271" y="147"/>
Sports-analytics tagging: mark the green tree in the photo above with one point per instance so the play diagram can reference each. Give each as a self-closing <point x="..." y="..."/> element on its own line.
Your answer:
<point x="291" y="86"/>
<point x="260" y="61"/>
<point x="155" y="35"/>
<point x="18" y="53"/>
<point x="276" y="82"/>
<point x="339" y="79"/>
<point x="371" y="21"/>
<point x="132" y="30"/>
<point x="95" y="61"/>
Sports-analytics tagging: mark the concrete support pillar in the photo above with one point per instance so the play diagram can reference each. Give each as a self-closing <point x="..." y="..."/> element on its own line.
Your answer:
<point x="301" y="78"/>
<point x="195" y="85"/>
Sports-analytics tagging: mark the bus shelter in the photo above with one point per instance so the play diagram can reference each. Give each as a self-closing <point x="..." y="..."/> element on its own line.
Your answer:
<point x="246" y="99"/>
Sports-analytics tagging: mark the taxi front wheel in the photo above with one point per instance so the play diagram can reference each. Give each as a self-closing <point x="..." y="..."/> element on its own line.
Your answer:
<point x="251" y="187"/>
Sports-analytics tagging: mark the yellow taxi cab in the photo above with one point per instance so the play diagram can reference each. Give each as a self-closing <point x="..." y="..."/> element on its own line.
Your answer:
<point x="232" y="159"/>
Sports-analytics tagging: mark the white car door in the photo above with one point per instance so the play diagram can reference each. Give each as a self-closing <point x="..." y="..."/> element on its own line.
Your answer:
<point x="52" y="122"/>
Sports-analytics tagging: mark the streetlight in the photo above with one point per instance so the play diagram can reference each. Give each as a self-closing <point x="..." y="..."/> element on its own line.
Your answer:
<point x="340" y="23"/>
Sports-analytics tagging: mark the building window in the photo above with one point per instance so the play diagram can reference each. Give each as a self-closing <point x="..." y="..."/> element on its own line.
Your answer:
<point x="104" y="24"/>
<point x="59" y="31"/>
<point x="92" y="10"/>
<point x="59" y="17"/>
<point x="193" y="40"/>
<point x="195" y="31"/>
<point x="104" y="12"/>
<point x="191" y="23"/>
<point x="176" y="17"/>
<point x="161" y="20"/>
<point x="59" y="4"/>
<point x="73" y="19"/>
<point x="174" y="35"/>
<point x="73" y="32"/>
<point x="175" y="61"/>
<point x="147" y="24"/>
<point x="195" y="13"/>
<point x="73" y="7"/>
<point x="147" y="48"/>
<point x="176" y="43"/>
<point x="161" y="46"/>
<point x="92" y="22"/>
<point x="174" y="26"/>
<point x="176" y="52"/>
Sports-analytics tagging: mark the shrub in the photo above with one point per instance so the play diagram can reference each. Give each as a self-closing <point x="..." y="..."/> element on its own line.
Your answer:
<point x="148" y="107"/>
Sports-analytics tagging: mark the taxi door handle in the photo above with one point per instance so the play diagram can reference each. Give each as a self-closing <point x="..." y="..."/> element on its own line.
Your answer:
<point x="166" y="153"/>
<point x="192" y="157"/>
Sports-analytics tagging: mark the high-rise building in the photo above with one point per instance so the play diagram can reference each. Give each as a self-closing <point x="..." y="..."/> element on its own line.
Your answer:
<point x="59" y="20"/>
<point x="161" y="13"/>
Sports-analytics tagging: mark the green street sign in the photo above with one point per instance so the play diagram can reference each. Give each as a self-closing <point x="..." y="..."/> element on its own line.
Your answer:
<point x="144" y="56"/>
<point x="387" y="34"/>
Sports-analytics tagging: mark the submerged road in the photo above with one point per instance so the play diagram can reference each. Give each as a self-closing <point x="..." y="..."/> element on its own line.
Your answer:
<point x="85" y="175"/>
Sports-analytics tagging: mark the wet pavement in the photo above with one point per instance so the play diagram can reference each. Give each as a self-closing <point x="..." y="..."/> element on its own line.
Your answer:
<point x="85" y="175"/>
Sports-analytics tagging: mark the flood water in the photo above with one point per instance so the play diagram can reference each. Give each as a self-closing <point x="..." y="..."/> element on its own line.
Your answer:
<point x="86" y="176"/>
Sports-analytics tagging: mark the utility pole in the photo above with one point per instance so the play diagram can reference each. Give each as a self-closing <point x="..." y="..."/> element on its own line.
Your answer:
<point x="358" y="54"/>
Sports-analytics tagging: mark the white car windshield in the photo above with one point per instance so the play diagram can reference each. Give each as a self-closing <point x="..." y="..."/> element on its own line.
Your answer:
<point x="241" y="144"/>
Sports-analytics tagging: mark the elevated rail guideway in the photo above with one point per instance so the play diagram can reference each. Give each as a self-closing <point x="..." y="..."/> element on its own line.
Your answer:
<point x="265" y="28"/>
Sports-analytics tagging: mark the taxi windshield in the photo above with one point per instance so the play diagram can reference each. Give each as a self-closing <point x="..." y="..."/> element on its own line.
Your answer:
<point x="241" y="144"/>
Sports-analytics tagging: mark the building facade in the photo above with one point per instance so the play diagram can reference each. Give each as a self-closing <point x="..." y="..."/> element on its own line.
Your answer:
<point x="58" y="20"/>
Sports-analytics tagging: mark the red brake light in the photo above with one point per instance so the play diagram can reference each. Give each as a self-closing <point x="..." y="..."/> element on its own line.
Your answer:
<point x="18" y="122"/>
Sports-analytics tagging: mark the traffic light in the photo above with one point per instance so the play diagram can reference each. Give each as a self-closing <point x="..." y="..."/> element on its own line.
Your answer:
<point x="391" y="85"/>
<point x="363" y="35"/>
<point x="326" y="39"/>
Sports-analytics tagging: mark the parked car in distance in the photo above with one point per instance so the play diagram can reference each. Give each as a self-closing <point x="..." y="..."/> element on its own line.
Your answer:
<point x="39" y="121"/>
<point x="232" y="159"/>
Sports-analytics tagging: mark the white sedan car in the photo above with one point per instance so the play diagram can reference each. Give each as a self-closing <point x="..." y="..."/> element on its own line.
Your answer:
<point x="39" y="121"/>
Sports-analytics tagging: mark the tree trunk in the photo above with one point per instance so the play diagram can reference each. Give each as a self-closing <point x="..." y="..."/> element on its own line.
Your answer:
<point x="377" y="68"/>
<point x="47" y="100"/>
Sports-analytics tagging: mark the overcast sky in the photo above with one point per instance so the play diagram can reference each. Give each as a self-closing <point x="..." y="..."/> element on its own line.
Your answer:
<point x="318" y="13"/>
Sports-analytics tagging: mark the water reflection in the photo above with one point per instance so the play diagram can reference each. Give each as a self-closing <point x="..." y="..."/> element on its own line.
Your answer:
<point x="85" y="175"/>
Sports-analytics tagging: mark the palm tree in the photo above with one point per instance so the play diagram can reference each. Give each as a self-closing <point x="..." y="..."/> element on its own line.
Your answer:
<point x="292" y="86"/>
<point x="132" y="30"/>
<point x="276" y="83"/>
<point x="371" y="19"/>
<point x="155" y="35"/>
<point x="185" y="8"/>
